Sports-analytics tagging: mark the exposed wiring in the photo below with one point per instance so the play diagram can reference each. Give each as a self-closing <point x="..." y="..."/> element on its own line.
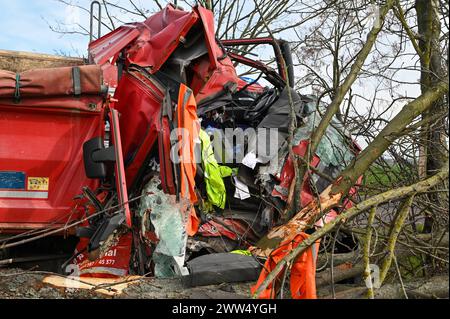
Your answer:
<point x="66" y="227"/>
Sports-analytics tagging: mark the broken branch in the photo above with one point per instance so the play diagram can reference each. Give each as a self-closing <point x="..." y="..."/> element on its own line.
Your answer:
<point x="398" y="224"/>
<point x="351" y="213"/>
<point x="366" y="252"/>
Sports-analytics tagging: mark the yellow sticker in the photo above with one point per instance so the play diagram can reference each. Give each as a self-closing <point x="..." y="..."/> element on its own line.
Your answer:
<point x="38" y="183"/>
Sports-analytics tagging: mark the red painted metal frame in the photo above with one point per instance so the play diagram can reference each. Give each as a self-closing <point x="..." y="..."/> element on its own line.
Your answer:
<point x="110" y="45"/>
<point x="121" y="183"/>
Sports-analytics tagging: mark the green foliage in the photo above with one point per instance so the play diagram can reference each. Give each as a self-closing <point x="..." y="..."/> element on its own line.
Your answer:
<point x="379" y="177"/>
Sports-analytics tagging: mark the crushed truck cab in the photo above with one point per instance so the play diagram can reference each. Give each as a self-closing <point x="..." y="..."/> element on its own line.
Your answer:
<point x="131" y="154"/>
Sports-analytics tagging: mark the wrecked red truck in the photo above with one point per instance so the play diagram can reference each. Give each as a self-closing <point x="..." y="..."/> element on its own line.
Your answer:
<point x="151" y="153"/>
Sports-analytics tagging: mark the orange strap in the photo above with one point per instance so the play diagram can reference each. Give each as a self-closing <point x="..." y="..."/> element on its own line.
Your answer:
<point x="303" y="271"/>
<point x="193" y="223"/>
<point x="187" y="120"/>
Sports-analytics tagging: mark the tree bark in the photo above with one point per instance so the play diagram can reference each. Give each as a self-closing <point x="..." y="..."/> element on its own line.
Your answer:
<point x="338" y="259"/>
<point x="433" y="149"/>
<point x="435" y="287"/>
<point x="324" y="278"/>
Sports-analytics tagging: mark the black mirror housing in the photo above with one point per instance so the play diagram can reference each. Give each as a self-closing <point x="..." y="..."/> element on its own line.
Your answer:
<point x="95" y="157"/>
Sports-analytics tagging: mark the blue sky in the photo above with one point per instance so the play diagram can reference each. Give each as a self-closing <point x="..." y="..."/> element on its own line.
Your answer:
<point x="24" y="28"/>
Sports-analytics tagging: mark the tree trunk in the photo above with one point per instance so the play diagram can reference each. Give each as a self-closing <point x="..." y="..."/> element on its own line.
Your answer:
<point x="435" y="287"/>
<point x="433" y="150"/>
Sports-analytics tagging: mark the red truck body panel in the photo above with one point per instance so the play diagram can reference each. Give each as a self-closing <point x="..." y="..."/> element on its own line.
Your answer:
<point x="41" y="146"/>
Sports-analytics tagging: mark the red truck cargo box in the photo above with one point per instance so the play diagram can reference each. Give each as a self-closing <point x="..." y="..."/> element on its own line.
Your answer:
<point x="41" y="145"/>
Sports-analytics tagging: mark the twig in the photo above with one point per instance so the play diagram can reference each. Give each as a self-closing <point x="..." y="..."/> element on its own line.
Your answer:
<point x="400" y="277"/>
<point x="366" y="253"/>
<point x="333" y="292"/>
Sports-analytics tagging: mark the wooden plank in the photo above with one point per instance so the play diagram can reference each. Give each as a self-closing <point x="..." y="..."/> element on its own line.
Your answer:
<point x="116" y="286"/>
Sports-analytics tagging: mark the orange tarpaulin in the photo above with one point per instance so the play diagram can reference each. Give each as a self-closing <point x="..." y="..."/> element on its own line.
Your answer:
<point x="303" y="271"/>
<point x="188" y="124"/>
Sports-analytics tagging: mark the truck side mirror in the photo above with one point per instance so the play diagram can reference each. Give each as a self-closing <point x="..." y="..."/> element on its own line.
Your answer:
<point x="95" y="157"/>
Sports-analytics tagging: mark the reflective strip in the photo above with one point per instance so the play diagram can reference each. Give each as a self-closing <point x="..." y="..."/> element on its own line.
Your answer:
<point x="76" y="77"/>
<point x="187" y="95"/>
<point x="314" y="254"/>
<point x="186" y="185"/>
<point x="16" y="194"/>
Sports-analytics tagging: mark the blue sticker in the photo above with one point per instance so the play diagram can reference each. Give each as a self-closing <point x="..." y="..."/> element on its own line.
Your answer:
<point x="12" y="180"/>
